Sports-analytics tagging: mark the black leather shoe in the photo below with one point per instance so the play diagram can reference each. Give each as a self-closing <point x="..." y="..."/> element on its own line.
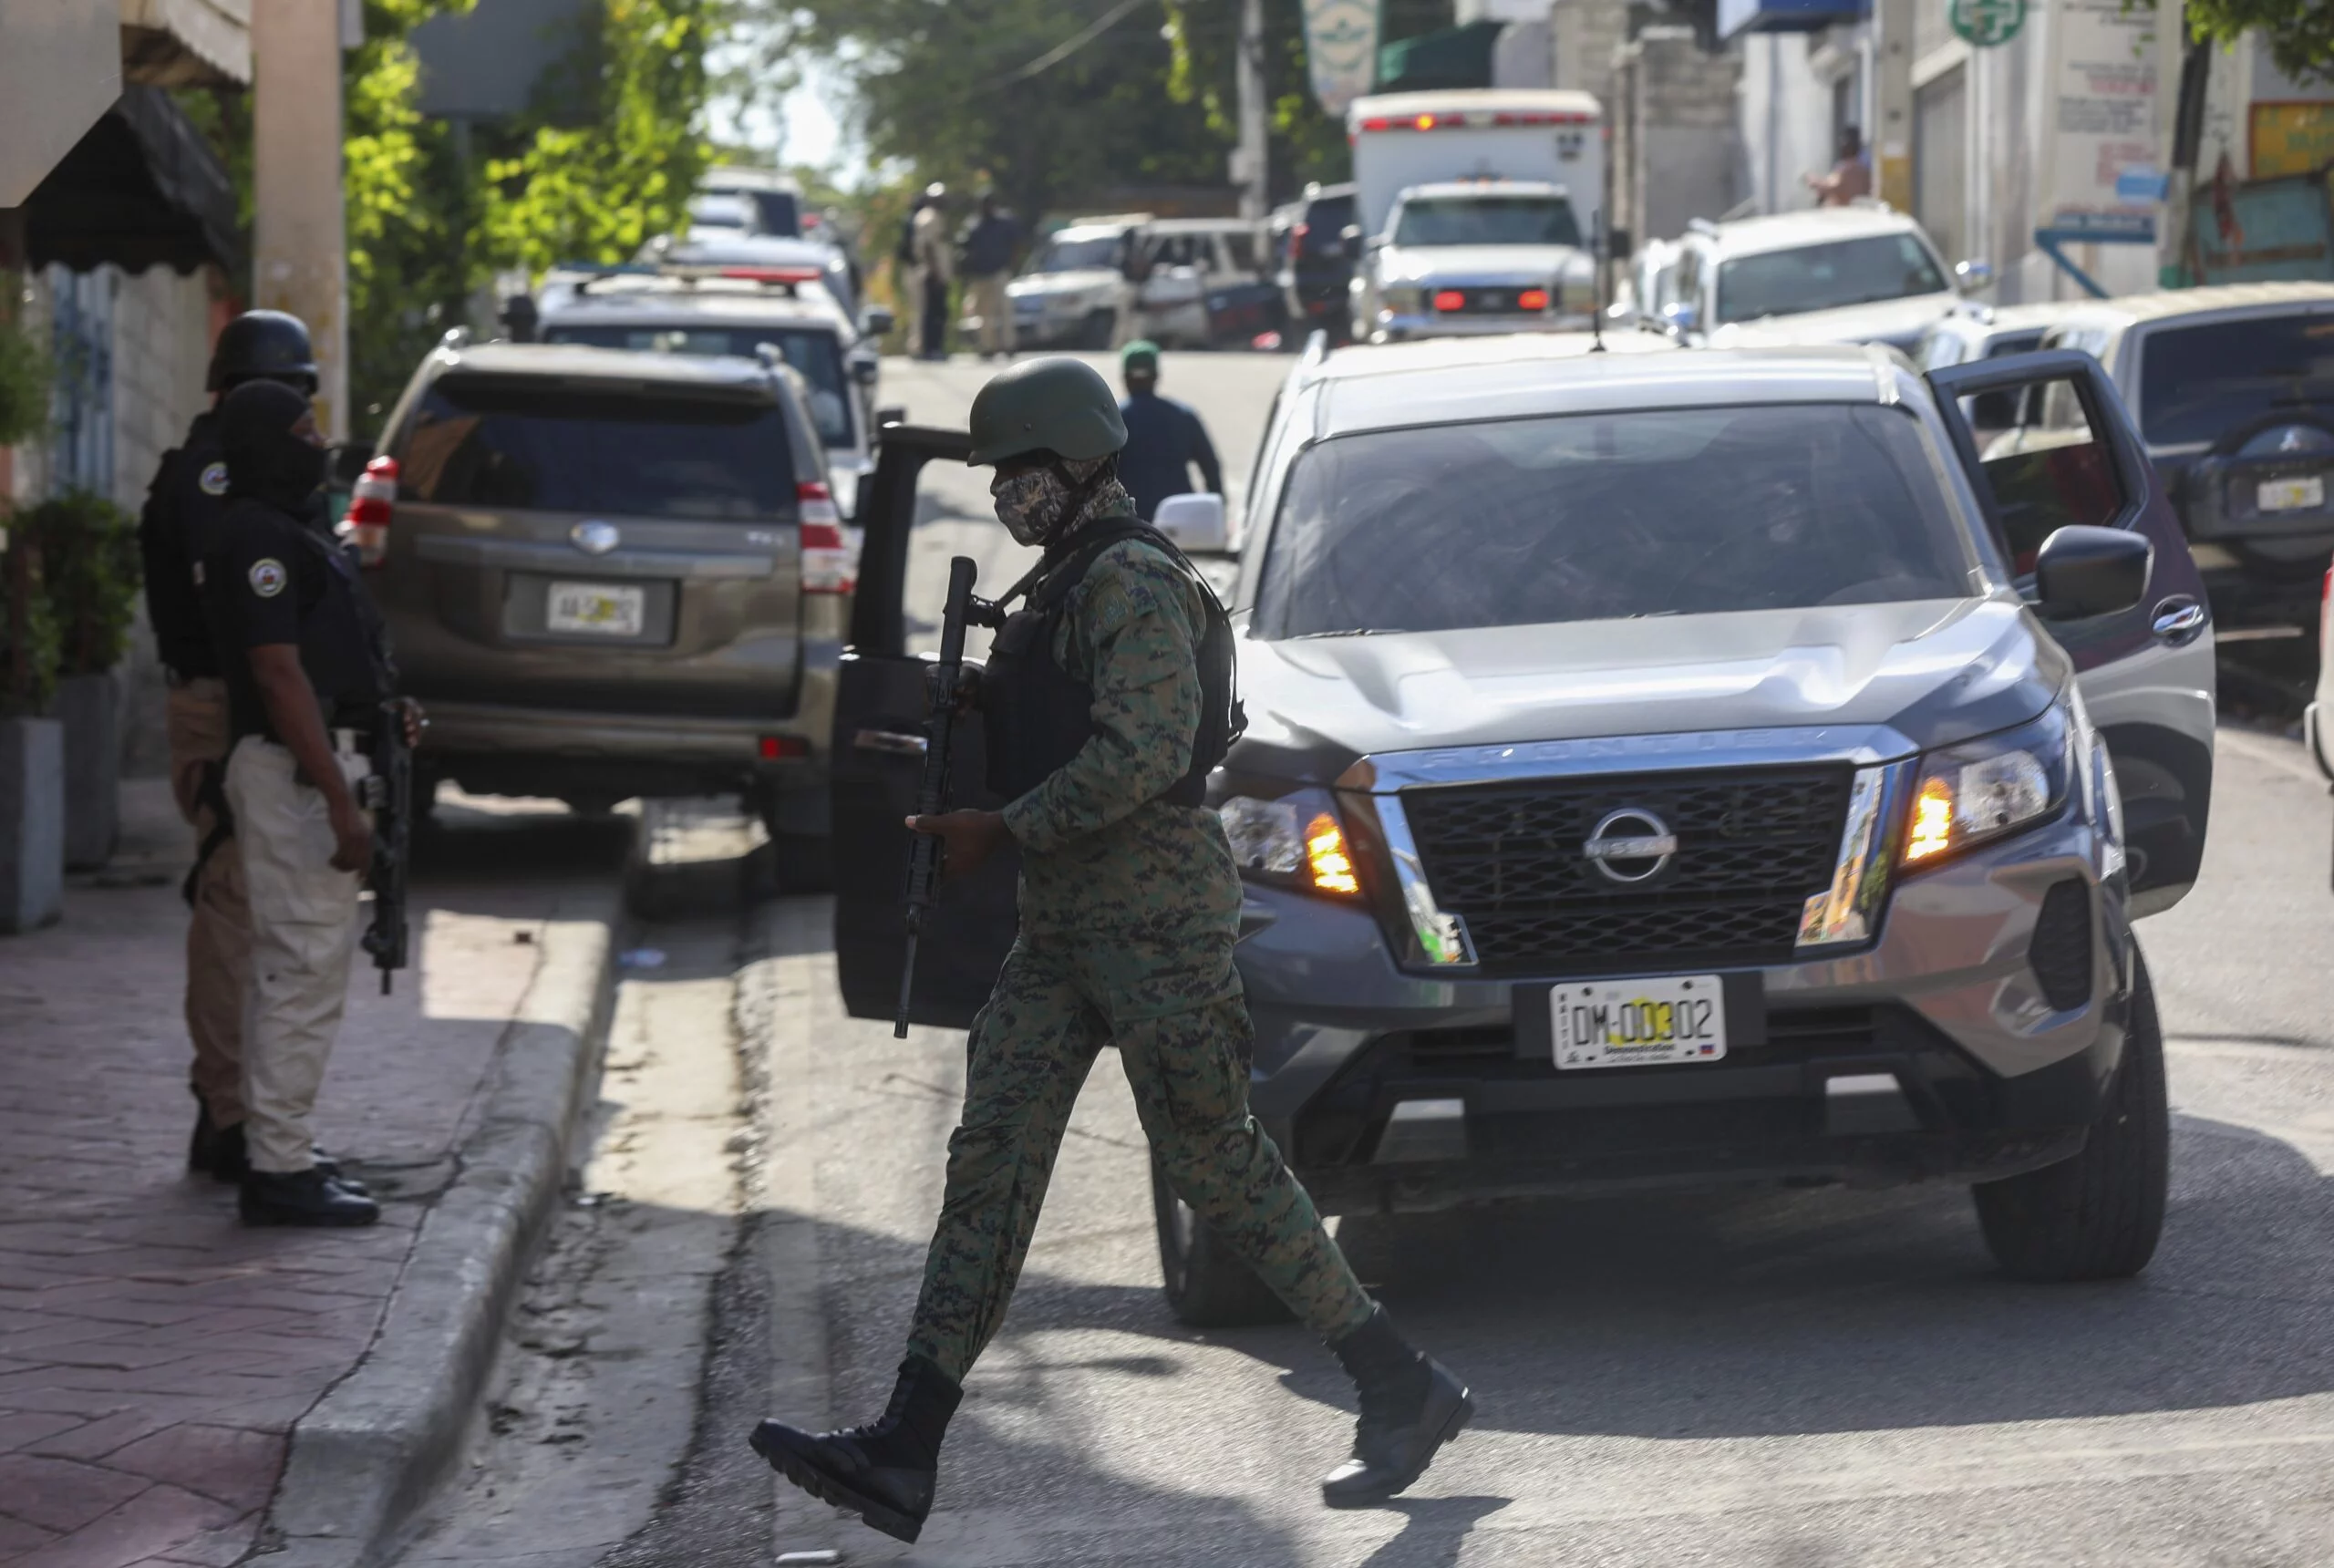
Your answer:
<point x="1410" y="1406"/>
<point x="884" y="1472"/>
<point x="303" y="1198"/>
<point x="231" y="1160"/>
<point x="201" y="1148"/>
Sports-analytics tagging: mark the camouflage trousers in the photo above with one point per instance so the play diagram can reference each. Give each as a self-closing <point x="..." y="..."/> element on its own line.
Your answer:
<point x="1031" y="1048"/>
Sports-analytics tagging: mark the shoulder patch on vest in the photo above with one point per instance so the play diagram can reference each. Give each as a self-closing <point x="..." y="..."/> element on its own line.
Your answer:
<point x="268" y="577"/>
<point x="214" y="480"/>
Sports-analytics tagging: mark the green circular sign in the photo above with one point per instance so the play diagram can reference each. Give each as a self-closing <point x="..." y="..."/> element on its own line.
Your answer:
<point x="1985" y="22"/>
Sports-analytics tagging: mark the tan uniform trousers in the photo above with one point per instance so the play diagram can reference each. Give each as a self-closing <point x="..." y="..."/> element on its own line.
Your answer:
<point x="304" y="933"/>
<point x="219" y="934"/>
<point x="988" y="299"/>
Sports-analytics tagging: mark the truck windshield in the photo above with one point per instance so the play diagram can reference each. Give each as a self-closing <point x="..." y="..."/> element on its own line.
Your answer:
<point x="812" y="352"/>
<point x="1487" y="220"/>
<point x="1078" y="255"/>
<point x="1827" y="277"/>
<point x="1591" y="517"/>
<point x="2199" y="383"/>
<point x="525" y="443"/>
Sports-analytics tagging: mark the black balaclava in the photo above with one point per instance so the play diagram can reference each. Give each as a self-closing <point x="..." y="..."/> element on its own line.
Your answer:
<point x="265" y="459"/>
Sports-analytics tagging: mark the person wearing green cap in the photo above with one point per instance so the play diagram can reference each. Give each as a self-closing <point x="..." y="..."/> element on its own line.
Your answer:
<point x="1165" y="440"/>
<point x="1108" y="701"/>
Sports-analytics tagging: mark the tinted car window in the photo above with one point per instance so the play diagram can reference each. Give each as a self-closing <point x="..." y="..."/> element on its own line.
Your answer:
<point x="778" y="212"/>
<point x="1487" y="220"/>
<point x="2199" y="383"/>
<point x="814" y="354"/>
<point x="1601" y="517"/>
<point x="1827" y="277"/>
<point x="491" y="442"/>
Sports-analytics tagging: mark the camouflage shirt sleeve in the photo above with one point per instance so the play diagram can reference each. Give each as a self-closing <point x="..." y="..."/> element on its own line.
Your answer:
<point x="1134" y="628"/>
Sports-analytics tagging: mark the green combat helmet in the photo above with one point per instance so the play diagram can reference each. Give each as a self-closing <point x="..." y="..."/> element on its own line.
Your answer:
<point x="1059" y="404"/>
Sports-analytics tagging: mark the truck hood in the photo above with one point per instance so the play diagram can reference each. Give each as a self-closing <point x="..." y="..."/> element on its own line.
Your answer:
<point x="1898" y="323"/>
<point x="1488" y="264"/>
<point x="1936" y="670"/>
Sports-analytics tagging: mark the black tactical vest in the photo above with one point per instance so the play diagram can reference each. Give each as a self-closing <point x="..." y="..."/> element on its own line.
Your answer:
<point x="1039" y="717"/>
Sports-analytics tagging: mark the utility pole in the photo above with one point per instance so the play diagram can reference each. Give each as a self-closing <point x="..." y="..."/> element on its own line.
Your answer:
<point x="1250" y="170"/>
<point x="299" y="230"/>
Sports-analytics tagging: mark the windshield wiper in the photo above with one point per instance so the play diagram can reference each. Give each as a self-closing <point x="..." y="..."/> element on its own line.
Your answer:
<point x="1348" y="632"/>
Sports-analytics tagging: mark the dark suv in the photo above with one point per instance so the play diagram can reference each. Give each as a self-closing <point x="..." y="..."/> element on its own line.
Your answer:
<point x="1317" y="258"/>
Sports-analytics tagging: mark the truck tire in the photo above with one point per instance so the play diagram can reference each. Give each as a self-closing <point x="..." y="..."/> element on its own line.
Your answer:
<point x="2098" y="1216"/>
<point x="1100" y="331"/>
<point x="1206" y="1285"/>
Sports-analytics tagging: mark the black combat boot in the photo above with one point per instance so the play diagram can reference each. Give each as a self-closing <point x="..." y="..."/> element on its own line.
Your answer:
<point x="1410" y="1406"/>
<point x="203" y="1148"/>
<point x="303" y="1198"/>
<point x="884" y="1473"/>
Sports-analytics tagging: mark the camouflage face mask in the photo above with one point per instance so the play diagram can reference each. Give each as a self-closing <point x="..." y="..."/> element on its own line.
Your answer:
<point x="1030" y="504"/>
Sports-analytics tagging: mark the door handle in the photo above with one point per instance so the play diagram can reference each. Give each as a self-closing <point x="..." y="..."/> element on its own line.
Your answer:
<point x="2178" y="619"/>
<point x="897" y="742"/>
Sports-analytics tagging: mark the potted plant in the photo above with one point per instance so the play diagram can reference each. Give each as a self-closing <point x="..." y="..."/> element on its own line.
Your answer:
<point x="87" y="549"/>
<point x="32" y="747"/>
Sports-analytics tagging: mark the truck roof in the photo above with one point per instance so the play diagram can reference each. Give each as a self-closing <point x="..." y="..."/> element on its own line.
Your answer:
<point x="2133" y="308"/>
<point x="1808" y="226"/>
<point x="1476" y="106"/>
<point x="1491" y="185"/>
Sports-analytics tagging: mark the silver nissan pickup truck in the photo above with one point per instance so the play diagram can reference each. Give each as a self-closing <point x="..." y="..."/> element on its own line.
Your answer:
<point x="1697" y="767"/>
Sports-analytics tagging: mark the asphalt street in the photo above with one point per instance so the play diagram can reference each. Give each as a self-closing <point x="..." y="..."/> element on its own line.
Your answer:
<point x="1794" y="1379"/>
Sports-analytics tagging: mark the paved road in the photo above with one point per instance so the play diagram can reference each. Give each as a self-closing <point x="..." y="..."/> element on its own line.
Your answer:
<point x="1802" y="1379"/>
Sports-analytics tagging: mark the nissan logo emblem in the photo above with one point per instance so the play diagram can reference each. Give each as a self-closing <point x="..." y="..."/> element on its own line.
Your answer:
<point x="1630" y="845"/>
<point x="595" y="538"/>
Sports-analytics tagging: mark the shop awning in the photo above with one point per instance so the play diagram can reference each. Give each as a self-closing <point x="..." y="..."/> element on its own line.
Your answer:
<point x="140" y="188"/>
<point x="1451" y="57"/>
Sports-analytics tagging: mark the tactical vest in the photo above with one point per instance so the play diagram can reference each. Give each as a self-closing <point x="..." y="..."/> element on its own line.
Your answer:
<point x="1039" y="717"/>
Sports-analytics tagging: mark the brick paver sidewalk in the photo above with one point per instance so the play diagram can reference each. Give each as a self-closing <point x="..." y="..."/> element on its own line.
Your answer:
<point x="153" y="1353"/>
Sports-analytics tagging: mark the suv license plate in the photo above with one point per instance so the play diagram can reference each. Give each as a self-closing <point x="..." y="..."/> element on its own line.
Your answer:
<point x="1638" y="1023"/>
<point x="602" y="609"/>
<point x="2292" y="495"/>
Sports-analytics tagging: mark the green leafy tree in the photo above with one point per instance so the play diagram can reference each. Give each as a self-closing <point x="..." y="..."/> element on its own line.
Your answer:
<point x="2300" y="32"/>
<point x="89" y="572"/>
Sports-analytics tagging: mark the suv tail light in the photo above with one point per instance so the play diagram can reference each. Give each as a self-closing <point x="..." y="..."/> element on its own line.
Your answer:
<point x="830" y="560"/>
<point x="371" y="506"/>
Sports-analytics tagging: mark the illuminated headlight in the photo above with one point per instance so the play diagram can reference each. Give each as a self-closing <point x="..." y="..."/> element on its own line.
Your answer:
<point x="1401" y="299"/>
<point x="1985" y="789"/>
<point x="1296" y="840"/>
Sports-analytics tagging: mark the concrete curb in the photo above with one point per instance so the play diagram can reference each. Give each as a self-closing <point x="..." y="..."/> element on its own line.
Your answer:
<point x="366" y="1458"/>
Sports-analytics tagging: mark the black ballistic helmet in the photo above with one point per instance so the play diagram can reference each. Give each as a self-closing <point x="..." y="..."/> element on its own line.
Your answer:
<point x="264" y="346"/>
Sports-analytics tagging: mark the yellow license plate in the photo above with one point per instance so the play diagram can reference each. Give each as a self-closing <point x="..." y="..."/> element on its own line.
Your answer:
<point x="2292" y="495"/>
<point x="1638" y="1023"/>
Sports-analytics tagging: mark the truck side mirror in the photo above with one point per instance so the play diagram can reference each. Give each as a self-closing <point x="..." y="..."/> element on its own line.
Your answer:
<point x="1193" y="523"/>
<point x="2082" y="570"/>
<point x="879" y="321"/>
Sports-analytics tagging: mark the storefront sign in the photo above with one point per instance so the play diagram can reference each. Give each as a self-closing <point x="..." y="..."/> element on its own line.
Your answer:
<point x="1341" y="51"/>
<point x="2292" y="137"/>
<point x="1985" y="22"/>
<point x="2104" y="82"/>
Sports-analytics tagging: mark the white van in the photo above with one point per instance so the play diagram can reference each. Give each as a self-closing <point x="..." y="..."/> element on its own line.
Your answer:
<point x="1401" y="140"/>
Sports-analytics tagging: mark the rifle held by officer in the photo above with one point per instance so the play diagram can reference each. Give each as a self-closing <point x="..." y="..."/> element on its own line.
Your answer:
<point x="932" y="790"/>
<point x="389" y="793"/>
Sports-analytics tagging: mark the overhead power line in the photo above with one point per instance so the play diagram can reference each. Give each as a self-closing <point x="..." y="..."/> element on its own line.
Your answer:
<point x="1070" y="46"/>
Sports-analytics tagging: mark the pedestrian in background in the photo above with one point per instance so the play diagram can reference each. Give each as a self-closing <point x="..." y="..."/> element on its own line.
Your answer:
<point x="1165" y="440"/>
<point x="991" y="243"/>
<point x="1849" y="179"/>
<point x="308" y="672"/>
<point x="933" y="269"/>
<point x="183" y="507"/>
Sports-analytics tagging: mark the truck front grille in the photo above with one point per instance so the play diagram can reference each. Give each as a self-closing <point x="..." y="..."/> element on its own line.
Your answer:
<point x="1510" y="859"/>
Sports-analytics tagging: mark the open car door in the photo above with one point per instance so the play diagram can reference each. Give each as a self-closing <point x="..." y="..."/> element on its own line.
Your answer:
<point x="878" y="761"/>
<point x="2072" y="456"/>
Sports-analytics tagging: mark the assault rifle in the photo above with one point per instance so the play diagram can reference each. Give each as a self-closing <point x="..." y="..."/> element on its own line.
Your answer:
<point x="389" y="793"/>
<point x="932" y="790"/>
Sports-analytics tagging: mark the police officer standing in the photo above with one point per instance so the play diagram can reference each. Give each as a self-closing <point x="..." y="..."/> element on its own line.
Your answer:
<point x="308" y="674"/>
<point x="1114" y="685"/>
<point x="182" y="506"/>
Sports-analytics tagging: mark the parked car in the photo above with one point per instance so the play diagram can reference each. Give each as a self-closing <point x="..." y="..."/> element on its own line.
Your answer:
<point x="1315" y="267"/>
<point x="745" y="251"/>
<point x="611" y="575"/>
<point x="1716" y="803"/>
<point x="739" y="311"/>
<point x="1102" y="282"/>
<point x="1860" y="273"/>
<point x="1987" y="332"/>
<point x="1475" y="256"/>
<point x="776" y="199"/>
<point x="2232" y="390"/>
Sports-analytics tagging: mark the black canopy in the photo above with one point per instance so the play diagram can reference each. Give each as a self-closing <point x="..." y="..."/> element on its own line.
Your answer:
<point x="141" y="188"/>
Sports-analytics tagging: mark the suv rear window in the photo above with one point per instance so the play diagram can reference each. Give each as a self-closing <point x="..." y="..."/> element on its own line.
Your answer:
<point x="1592" y="517"/>
<point x="531" y="445"/>
<point x="2199" y="383"/>
<point x="812" y="352"/>
<point x="1827" y="277"/>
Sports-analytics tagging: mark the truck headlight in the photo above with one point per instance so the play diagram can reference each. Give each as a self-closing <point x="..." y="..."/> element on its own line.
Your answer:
<point x="1295" y="840"/>
<point x="1986" y="788"/>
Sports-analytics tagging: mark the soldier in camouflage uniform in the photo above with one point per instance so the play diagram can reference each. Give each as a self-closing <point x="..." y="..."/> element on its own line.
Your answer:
<point x="1129" y="904"/>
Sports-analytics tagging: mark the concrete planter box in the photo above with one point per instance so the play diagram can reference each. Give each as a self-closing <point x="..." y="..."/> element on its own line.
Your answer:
<point x="90" y="706"/>
<point x="32" y="824"/>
